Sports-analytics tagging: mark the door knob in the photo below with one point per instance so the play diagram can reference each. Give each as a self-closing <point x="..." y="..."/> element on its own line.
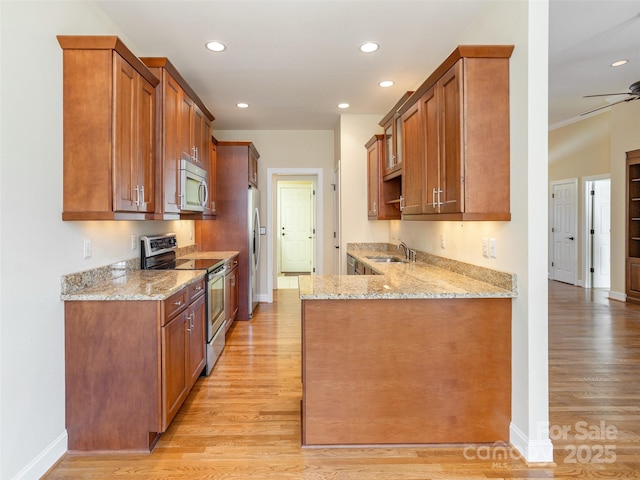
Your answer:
<point x="571" y="238"/>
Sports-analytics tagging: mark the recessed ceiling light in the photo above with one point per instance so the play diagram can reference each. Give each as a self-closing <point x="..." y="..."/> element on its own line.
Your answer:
<point x="216" y="46"/>
<point x="386" y="83"/>
<point x="619" y="63"/>
<point x="343" y="105"/>
<point x="242" y="105"/>
<point x="369" y="47"/>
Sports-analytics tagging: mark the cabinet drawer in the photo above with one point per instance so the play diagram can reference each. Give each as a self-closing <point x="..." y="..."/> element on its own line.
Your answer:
<point x="232" y="263"/>
<point x="196" y="289"/>
<point x="174" y="304"/>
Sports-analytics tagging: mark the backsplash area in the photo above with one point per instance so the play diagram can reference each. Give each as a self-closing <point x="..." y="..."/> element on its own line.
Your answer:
<point x="75" y="282"/>
<point x="504" y="280"/>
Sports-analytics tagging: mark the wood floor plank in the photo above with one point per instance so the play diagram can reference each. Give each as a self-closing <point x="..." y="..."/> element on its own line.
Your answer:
<point x="243" y="422"/>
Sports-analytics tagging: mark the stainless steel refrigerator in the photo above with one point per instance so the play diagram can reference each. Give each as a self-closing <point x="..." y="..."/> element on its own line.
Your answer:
<point x="254" y="246"/>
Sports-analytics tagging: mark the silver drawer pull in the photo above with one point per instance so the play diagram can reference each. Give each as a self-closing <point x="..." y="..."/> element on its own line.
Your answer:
<point x="178" y="303"/>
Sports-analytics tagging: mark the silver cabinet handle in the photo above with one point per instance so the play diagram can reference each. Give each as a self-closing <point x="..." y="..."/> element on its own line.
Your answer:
<point x="141" y="196"/>
<point x="178" y="303"/>
<point x="401" y="202"/>
<point x="375" y="207"/>
<point x="137" y="201"/>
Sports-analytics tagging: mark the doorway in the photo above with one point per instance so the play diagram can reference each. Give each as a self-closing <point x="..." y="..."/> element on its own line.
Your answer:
<point x="597" y="251"/>
<point x="274" y="177"/>
<point x="564" y="231"/>
<point x="296" y="227"/>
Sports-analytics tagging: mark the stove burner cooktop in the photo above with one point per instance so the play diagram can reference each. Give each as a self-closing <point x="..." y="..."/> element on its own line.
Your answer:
<point x="196" y="263"/>
<point x="159" y="253"/>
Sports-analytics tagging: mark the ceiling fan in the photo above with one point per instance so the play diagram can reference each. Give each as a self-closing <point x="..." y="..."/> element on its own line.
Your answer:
<point x="633" y="93"/>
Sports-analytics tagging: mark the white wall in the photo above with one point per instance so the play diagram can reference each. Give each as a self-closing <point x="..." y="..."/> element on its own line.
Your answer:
<point x="354" y="131"/>
<point x="36" y="246"/>
<point x="291" y="149"/>
<point x="625" y="136"/>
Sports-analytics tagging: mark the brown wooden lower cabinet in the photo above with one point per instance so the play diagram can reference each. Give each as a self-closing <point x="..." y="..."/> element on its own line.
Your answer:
<point x="129" y="366"/>
<point x="406" y="371"/>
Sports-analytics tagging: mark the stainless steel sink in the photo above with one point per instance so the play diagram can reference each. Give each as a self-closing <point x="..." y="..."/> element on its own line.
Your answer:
<point x="385" y="259"/>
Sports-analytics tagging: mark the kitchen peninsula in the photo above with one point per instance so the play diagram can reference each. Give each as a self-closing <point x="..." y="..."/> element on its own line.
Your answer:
<point x="417" y="353"/>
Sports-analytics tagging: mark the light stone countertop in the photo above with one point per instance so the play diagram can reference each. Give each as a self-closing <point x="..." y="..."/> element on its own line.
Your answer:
<point x="408" y="280"/>
<point x="139" y="285"/>
<point x="128" y="282"/>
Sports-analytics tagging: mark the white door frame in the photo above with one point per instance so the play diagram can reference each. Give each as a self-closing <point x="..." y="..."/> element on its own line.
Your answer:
<point x="552" y="223"/>
<point x="271" y="173"/>
<point x="587" y="240"/>
<point x="309" y="187"/>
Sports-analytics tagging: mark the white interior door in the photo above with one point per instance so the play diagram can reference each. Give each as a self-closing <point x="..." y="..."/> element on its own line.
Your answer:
<point x="296" y="230"/>
<point x="601" y="236"/>
<point x="564" y="231"/>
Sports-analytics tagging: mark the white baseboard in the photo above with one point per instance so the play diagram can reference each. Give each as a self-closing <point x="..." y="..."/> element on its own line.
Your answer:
<point x="619" y="296"/>
<point x="46" y="459"/>
<point x="533" y="451"/>
<point x="263" y="298"/>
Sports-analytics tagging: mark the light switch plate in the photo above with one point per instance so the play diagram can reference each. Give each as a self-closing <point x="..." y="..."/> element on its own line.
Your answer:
<point x="493" y="248"/>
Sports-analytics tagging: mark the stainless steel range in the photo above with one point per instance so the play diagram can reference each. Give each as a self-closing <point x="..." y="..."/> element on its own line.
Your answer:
<point x="158" y="252"/>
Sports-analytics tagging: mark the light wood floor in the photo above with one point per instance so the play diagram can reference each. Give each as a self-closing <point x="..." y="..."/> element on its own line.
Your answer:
<point x="243" y="422"/>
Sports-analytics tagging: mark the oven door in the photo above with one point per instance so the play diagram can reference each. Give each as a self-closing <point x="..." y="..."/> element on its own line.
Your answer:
<point x="215" y="302"/>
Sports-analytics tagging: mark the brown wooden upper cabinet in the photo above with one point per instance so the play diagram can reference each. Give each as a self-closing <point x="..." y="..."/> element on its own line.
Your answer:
<point x="455" y="139"/>
<point x="109" y="131"/>
<point x="184" y="133"/>
<point x="391" y="125"/>
<point x="213" y="175"/>
<point x="253" y="167"/>
<point x="383" y="197"/>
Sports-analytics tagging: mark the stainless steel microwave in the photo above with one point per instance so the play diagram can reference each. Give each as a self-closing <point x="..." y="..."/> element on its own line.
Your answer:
<point x="194" y="191"/>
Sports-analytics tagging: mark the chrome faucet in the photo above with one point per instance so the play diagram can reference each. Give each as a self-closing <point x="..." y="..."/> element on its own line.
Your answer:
<point x="405" y="248"/>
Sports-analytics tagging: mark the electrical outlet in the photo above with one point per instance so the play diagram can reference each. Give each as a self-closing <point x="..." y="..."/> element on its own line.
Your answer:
<point x="493" y="248"/>
<point x="485" y="247"/>
<point x="442" y="242"/>
<point x="86" y="248"/>
<point x="134" y="242"/>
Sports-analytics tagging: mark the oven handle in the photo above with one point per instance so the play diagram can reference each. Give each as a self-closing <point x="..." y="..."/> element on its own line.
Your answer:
<point x="219" y="273"/>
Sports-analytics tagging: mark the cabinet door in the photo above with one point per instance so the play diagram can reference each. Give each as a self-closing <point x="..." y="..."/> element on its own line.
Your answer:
<point x="373" y="173"/>
<point x="171" y="163"/>
<point x="175" y="382"/>
<point x="231" y="296"/>
<point x="412" y="161"/>
<point x="253" y="169"/>
<point x="431" y="145"/>
<point x="197" y="340"/>
<point x="451" y="138"/>
<point x="146" y="145"/>
<point x="389" y="154"/>
<point x="186" y="121"/>
<point x="124" y="127"/>
<point x="213" y="163"/>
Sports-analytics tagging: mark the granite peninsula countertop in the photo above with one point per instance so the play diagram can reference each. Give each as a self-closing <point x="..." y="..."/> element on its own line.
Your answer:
<point x="125" y="280"/>
<point x="429" y="277"/>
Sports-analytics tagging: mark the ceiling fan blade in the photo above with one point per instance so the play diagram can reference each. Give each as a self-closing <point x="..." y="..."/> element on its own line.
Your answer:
<point x="610" y="105"/>
<point x="605" y="95"/>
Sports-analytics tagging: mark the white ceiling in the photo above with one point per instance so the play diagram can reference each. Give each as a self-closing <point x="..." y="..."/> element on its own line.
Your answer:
<point x="585" y="37"/>
<point x="293" y="61"/>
